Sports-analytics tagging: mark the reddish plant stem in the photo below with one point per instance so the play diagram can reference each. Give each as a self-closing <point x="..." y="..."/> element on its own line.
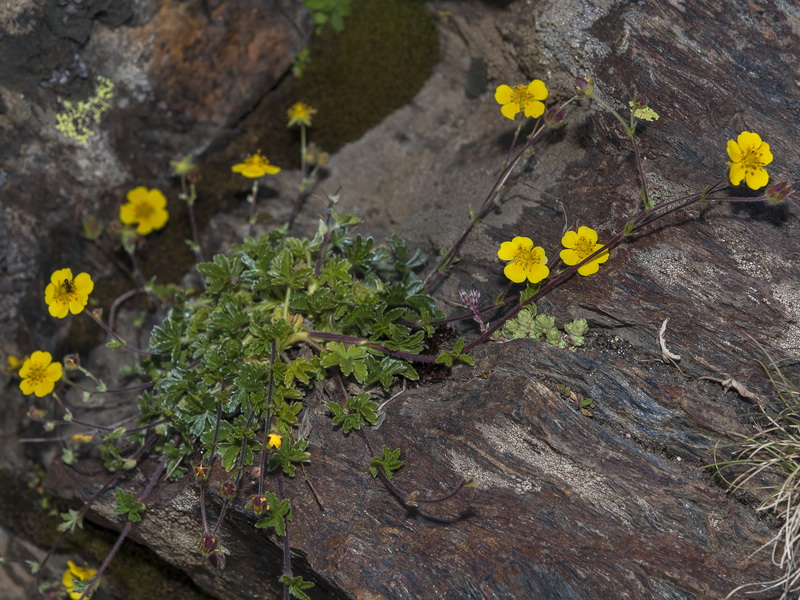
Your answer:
<point x="127" y="528"/>
<point x="103" y="489"/>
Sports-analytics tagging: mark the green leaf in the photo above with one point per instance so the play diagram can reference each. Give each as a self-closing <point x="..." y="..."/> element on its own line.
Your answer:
<point x="529" y="291"/>
<point x="389" y="463"/>
<point x="126" y="505"/>
<point x="221" y="274"/>
<point x="70" y="520"/>
<point x="296" y="586"/>
<point x="447" y="358"/>
<point x="288" y="455"/>
<point x="277" y="515"/>
<point x="301" y="369"/>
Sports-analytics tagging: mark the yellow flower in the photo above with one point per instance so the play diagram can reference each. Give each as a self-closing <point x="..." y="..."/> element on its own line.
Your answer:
<point x="275" y="441"/>
<point x="81" y="438"/>
<point x="300" y="114"/>
<point x="520" y="97"/>
<point x="13" y="364"/>
<point x="147" y="208"/>
<point x="749" y="155"/>
<point x="75" y="574"/>
<point x="527" y="261"/>
<point x="578" y="246"/>
<point x="64" y="294"/>
<point x="39" y="374"/>
<point x="254" y="166"/>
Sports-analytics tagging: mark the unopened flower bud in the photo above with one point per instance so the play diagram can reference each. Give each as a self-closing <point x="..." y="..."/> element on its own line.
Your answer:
<point x="554" y="117"/>
<point x="72" y="362"/>
<point x="638" y="101"/>
<point x="584" y="86"/>
<point x="776" y="194"/>
<point x="92" y="228"/>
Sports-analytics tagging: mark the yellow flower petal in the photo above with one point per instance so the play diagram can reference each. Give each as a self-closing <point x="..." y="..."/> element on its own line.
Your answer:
<point x="509" y="250"/>
<point x="570" y="239"/>
<point x="503" y="94"/>
<point x="538" y="90"/>
<point x="588" y="233"/>
<point x="26" y="386"/>
<point x="58" y="276"/>
<point x="748" y="141"/>
<point x="736" y="174"/>
<point x="510" y="110"/>
<point x="127" y="214"/>
<point x="765" y="154"/>
<point x="55" y="371"/>
<point x="757" y="178"/>
<point x="58" y="310"/>
<point x="589" y="268"/>
<point x="515" y="272"/>
<point x="734" y="152"/>
<point x="83" y="284"/>
<point x="534" y="109"/>
<point x="538" y="272"/>
<point x="571" y="257"/>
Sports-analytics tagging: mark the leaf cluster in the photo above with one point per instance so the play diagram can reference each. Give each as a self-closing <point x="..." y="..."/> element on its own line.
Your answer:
<point x="277" y="315"/>
<point x="542" y="327"/>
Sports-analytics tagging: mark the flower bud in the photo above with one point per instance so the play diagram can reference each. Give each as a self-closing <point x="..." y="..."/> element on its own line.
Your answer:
<point x="776" y="194"/>
<point x="554" y="117"/>
<point x="638" y="101"/>
<point x="584" y="86"/>
<point x="228" y="490"/>
<point x="258" y="504"/>
<point x="92" y="228"/>
<point x="72" y="362"/>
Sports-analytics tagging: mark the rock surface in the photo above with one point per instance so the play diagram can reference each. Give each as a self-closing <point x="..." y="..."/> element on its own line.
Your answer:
<point x="619" y="505"/>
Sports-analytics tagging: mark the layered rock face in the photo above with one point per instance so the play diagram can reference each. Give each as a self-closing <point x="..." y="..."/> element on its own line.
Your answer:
<point x="616" y="504"/>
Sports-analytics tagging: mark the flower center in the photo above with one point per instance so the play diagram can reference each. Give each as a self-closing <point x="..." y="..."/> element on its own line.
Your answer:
<point x="752" y="160"/>
<point x="583" y="247"/>
<point x="527" y="258"/>
<point x="256" y="160"/>
<point x="37" y="374"/>
<point x="519" y="94"/>
<point x="64" y="291"/>
<point x="143" y="211"/>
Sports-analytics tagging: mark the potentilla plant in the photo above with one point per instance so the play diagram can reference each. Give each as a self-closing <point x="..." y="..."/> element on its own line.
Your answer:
<point x="228" y="368"/>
